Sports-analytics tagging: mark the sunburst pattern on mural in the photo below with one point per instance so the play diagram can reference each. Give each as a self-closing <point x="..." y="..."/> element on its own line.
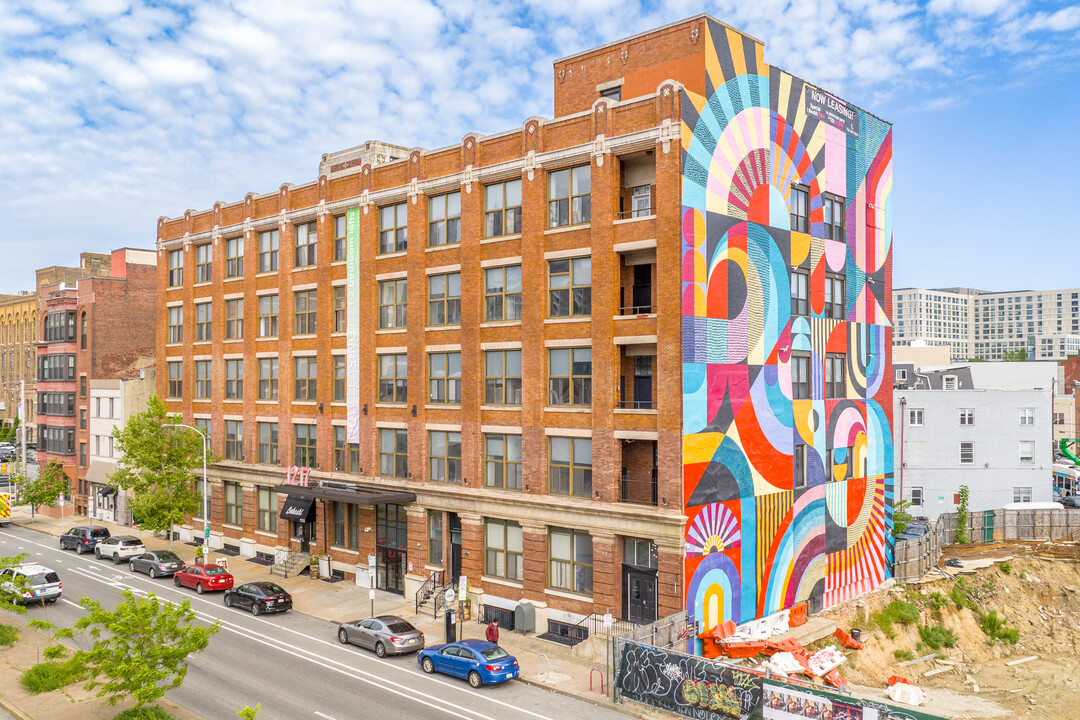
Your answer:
<point x="714" y="529"/>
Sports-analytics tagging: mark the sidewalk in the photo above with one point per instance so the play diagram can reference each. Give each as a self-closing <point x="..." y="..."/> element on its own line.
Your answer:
<point x="563" y="672"/>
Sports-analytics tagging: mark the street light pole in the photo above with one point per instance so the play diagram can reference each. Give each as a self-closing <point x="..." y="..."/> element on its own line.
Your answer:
<point x="205" y="488"/>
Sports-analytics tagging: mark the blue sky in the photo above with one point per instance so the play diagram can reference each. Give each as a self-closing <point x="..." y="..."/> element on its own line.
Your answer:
<point x="114" y="113"/>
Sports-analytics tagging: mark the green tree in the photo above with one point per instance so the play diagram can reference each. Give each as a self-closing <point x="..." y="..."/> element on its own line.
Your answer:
<point x="962" y="516"/>
<point x="141" y="646"/>
<point x="158" y="464"/>
<point x="249" y="713"/>
<point x="45" y="489"/>
<point x="901" y="517"/>
<point x="11" y="587"/>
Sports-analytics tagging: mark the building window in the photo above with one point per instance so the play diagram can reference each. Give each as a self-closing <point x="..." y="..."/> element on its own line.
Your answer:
<point x="444" y="456"/>
<point x="234" y="319"/>
<point x="268" y="443"/>
<point x="341" y="234"/>
<point x="268" y="251"/>
<point x="1021" y="494"/>
<point x="799" y="466"/>
<point x="176" y="380"/>
<point x="915" y="417"/>
<point x="503" y="549"/>
<point x="203" y="425"/>
<point x="306" y="244"/>
<point x="502" y="458"/>
<point x="204" y="255"/>
<point x="339" y="309"/>
<point x="268" y="509"/>
<point x="234" y="440"/>
<point x="444" y="299"/>
<point x="393" y="378"/>
<point x="234" y="379"/>
<point x="570" y="287"/>
<point x="967" y="416"/>
<point x="917" y="496"/>
<point x="502" y="377"/>
<point x="502" y="293"/>
<point x="800" y="209"/>
<point x="800" y="293"/>
<point x="800" y="377"/>
<point x="502" y="208"/>
<point x="901" y="376"/>
<point x="1027" y="452"/>
<point x="234" y="257"/>
<point x="834" y="217"/>
<point x="949" y="382"/>
<point x="268" y="315"/>
<point x="176" y="268"/>
<point x="444" y="219"/>
<point x="967" y="453"/>
<point x="570" y="376"/>
<point x="341" y="449"/>
<point x="82" y="333"/>
<point x="393" y="230"/>
<point x="346" y="525"/>
<point x="339" y="378"/>
<point x="268" y="378"/>
<point x="393" y="303"/>
<point x="82" y="417"/>
<point x="571" y="556"/>
<point x="835" y="302"/>
<point x="1059" y="418"/>
<point x="82" y="455"/>
<point x="176" y="324"/>
<point x="570" y="466"/>
<point x="834" y="376"/>
<point x="569" y="201"/>
<point x="304" y="307"/>
<point x="304" y="445"/>
<point x="204" y="315"/>
<point x="640" y="553"/>
<point x="234" y="504"/>
<point x="202" y="379"/>
<point x="1027" y="416"/>
<point x="435" y="538"/>
<point x="304" y="375"/>
<point x="444" y="377"/>
<point x="393" y="452"/>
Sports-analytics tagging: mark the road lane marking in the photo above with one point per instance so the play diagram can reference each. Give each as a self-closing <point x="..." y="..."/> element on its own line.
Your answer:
<point x="73" y="604"/>
<point x="323" y="715"/>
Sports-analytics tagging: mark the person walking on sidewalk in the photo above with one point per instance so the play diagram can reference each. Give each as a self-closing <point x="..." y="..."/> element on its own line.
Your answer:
<point x="492" y="632"/>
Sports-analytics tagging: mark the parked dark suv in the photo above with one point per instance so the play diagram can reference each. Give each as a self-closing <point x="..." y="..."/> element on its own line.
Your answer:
<point x="83" y="538"/>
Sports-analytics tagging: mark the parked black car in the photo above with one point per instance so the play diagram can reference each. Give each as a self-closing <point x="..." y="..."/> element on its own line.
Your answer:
<point x="157" y="563"/>
<point x="259" y="597"/>
<point x="83" y="538"/>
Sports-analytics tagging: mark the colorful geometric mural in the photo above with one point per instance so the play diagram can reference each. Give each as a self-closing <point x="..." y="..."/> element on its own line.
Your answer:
<point x="788" y="480"/>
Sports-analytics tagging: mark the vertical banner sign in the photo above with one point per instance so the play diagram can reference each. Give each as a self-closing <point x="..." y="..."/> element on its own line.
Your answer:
<point x="352" y="325"/>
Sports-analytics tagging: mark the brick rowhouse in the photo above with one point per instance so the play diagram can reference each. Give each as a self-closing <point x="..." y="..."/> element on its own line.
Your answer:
<point x="472" y="361"/>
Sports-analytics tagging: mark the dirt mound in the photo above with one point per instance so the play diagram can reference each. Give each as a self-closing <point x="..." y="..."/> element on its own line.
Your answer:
<point x="973" y="625"/>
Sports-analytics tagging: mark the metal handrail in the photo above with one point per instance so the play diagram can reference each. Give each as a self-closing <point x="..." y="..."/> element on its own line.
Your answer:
<point x="431" y="586"/>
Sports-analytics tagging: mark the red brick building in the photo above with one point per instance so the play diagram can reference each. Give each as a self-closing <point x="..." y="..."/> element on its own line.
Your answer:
<point x="474" y="350"/>
<point x="98" y="327"/>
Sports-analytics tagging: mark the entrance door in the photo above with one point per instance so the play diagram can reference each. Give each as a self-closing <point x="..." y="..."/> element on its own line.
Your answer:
<point x="640" y="601"/>
<point x="455" y="547"/>
<point x="305" y="532"/>
<point x="391" y="554"/>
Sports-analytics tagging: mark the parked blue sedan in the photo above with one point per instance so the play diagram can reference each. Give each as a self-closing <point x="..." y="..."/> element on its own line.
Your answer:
<point x="479" y="661"/>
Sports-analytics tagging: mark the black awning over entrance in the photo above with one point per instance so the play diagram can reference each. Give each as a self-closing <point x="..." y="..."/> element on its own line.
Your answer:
<point x="297" y="508"/>
<point x="356" y="496"/>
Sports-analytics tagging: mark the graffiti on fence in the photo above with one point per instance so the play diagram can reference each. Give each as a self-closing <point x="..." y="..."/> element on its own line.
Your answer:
<point x="785" y="702"/>
<point x="690" y="686"/>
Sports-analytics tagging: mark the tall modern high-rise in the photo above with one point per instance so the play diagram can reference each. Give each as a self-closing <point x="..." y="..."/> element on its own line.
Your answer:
<point x="987" y="325"/>
<point x="629" y="359"/>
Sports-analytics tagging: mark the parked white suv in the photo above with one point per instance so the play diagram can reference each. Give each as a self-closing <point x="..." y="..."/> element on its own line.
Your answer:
<point x="119" y="548"/>
<point x="38" y="584"/>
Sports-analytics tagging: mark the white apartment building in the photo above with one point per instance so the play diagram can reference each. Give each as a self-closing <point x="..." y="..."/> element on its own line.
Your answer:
<point x="988" y="325"/>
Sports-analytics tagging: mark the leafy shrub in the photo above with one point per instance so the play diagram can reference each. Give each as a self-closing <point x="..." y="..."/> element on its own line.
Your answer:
<point x="1005" y="567"/>
<point x="52" y="675"/>
<point x="8" y="635"/>
<point x="961" y="596"/>
<point x="898" y="611"/>
<point x="937" y="636"/>
<point x="937" y="600"/>
<point x="995" y="627"/>
<point x="147" y="712"/>
<point x="903" y="655"/>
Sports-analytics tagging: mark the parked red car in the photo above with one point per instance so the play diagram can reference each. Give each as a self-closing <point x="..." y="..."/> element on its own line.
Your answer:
<point x="203" y="578"/>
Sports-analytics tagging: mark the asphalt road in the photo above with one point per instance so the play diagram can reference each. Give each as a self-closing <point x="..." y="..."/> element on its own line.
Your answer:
<point x="291" y="663"/>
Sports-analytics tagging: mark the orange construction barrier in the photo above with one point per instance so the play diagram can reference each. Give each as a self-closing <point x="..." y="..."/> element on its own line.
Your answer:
<point x="846" y="640"/>
<point x="743" y="649"/>
<point x="786" y="645"/>
<point x="797" y="616"/>
<point x="834" y="678"/>
<point x="709" y="647"/>
<point x="899" y="679"/>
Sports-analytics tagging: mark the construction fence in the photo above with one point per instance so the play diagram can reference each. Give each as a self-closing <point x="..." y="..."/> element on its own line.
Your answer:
<point x="916" y="556"/>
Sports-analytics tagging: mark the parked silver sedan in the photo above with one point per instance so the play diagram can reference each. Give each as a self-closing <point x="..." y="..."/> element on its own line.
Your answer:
<point x="385" y="634"/>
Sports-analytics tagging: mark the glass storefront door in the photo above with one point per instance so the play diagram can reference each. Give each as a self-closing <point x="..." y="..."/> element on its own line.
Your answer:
<point x="391" y="553"/>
